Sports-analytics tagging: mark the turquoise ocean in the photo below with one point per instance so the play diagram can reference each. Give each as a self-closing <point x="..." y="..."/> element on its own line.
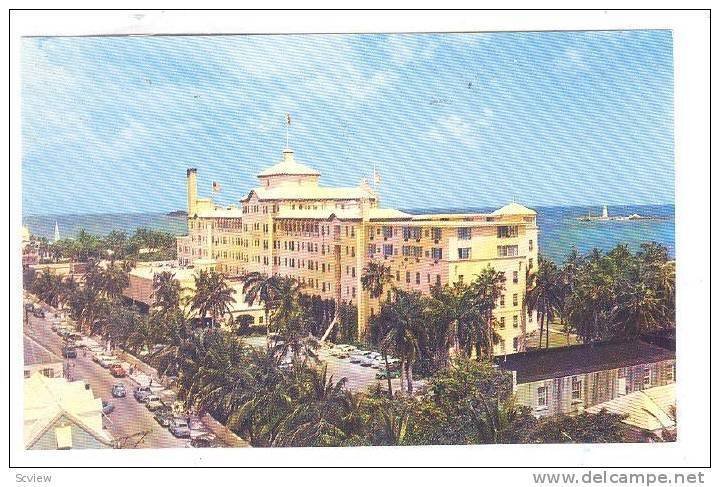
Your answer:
<point x="560" y="229"/>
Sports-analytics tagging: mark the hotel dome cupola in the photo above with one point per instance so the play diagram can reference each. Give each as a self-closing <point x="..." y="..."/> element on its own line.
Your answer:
<point x="288" y="172"/>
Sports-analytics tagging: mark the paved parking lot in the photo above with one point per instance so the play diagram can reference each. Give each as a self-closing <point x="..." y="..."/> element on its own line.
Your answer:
<point x="359" y="378"/>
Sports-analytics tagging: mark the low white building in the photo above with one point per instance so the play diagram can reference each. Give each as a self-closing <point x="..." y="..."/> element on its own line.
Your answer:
<point x="62" y="415"/>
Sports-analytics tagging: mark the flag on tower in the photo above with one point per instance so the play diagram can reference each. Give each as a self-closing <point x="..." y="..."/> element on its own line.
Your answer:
<point x="287" y="116"/>
<point x="216" y="187"/>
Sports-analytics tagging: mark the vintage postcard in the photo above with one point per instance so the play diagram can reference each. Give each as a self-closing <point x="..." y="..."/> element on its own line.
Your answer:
<point x="349" y="240"/>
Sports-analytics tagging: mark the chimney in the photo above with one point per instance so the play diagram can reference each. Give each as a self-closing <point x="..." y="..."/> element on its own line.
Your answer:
<point x="192" y="192"/>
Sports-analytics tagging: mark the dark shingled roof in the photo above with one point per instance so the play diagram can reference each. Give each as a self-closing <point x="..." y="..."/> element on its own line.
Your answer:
<point x="580" y="359"/>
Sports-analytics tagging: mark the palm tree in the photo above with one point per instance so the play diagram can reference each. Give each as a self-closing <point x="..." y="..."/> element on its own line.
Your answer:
<point x="261" y="288"/>
<point x="317" y="419"/>
<point x="402" y="319"/>
<point x="543" y="296"/>
<point x="166" y="291"/>
<point x="485" y="290"/>
<point x="375" y="277"/>
<point x="212" y="296"/>
<point x="453" y="310"/>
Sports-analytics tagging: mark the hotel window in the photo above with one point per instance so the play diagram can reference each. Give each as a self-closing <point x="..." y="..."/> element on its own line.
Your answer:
<point x="507" y="231"/>
<point x="670" y="372"/>
<point x="397" y="276"/>
<point x="515" y="277"/>
<point x="407" y="277"/>
<point x="437" y="279"/>
<point x="542" y="397"/>
<point x="502" y="300"/>
<point x="576" y="386"/>
<point x="352" y="251"/>
<point x="387" y="250"/>
<point x="502" y="323"/>
<point x="417" y="278"/>
<point x="353" y="272"/>
<point x="515" y="299"/>
<point x="406" y="233"/>
<point x="353" y="292"/>
<point x="507" y="250"/>
<point x="647" y="376"/>
<point x="387" y="232"/>
<point x="428" y="278"/>
<point x="464" y="253"/>
<point x="515" y="321"/>
<point x="530" y="263"/>
<point x="464" y="233"/>
<point x="436" y="233"/>
<point x="530" y="245"/>
<point x="436" y="253"/>
<point x="515" y="344"/>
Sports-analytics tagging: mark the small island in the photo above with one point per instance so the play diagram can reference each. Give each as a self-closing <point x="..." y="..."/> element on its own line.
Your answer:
<point x="181" y="213"/>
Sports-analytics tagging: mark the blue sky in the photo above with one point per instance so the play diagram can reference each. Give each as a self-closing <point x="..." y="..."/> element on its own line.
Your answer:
<point x="110" y="124"/>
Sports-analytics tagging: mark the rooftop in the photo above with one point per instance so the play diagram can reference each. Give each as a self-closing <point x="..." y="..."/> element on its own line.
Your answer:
<point x="34" y="353"/>
<point x="294" y="192"/>
<point x="514" y="209"/>
<point x="652" y="409"/>
<point x="47" y="399"/>
<point x="288" y="166"/>
<point x="579" y="359"/>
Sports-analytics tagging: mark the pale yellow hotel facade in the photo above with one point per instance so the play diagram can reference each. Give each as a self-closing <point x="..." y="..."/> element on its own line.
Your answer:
<point x="290" y="225"/>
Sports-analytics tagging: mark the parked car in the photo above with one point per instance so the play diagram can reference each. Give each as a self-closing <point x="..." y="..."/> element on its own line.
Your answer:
<point x="69" y="352"/>
<point x="367" y="362"/>
<point x="383" y="374"/>
<point x="107" y="407"/>
<point x="38" y="313"/>
<point x="179" y="428"/>
<point x="164" y="416"/>
<point x="105" y="361"/>
<point x="74" y="336"/>
<point x="96" y="349"/>
<point x="343" y="355"/>
<point x="117" y="370"/>
<point x="118" y="390"/>
<point x="29" y="307"/>
<point x="153" y="402"/>
<point x="356" y="359"/>
<point x="207" y="440"/>
<point x="141" y="393"/>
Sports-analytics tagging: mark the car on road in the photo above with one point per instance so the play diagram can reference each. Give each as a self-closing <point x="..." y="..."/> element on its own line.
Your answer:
<point x="69" y="352"/>
<point x="38" y="313"/>
<point x="153" y="402"/>
<point x="164" y="416"/>
<point x="107" y="407"/>
<point x="141" y="393"/>
<point x="179" y="428"/>
<point x="29" y="307"/>
<point x="117" y="370"/>
<point x="383" y="374"/>
<point x="118" y="390"/>
<point x="105" y="361"/>
<point x="356" y="359"/>
<point x="208" y="440"/>
<point x="367" y="362"/>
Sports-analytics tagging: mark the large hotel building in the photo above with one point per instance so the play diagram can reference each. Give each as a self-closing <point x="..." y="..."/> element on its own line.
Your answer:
<point x="290" y="225"/>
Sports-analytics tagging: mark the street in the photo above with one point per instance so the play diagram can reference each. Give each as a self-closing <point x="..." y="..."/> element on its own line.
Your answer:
<point x="130" y="423"/>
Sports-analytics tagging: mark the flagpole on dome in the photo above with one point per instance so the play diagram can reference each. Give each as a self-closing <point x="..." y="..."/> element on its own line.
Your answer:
<point x="287" y="131"/>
